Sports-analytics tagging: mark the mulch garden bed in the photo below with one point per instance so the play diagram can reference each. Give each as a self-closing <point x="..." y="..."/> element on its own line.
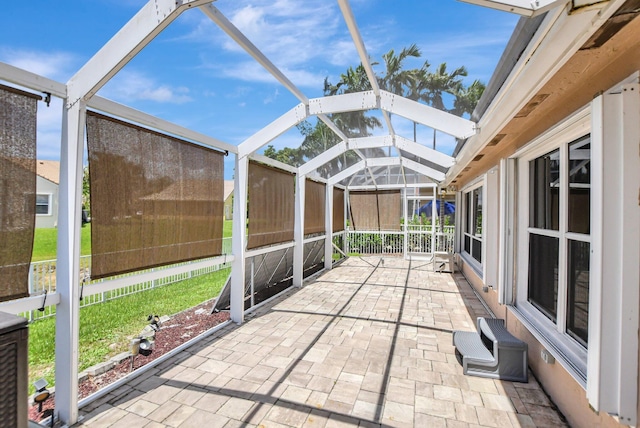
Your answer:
<point x="181" y="328"/>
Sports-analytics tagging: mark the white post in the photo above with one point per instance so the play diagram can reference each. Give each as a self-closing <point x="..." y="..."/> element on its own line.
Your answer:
<point x="68" y="264"/>
<point x="612" y="370"/>
<point x="239" y="239"/>
<point x="298" y="232"/>
<point x="328" y="227"/>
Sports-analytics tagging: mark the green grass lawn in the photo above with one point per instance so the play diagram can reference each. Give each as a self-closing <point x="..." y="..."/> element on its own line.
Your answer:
<point x="107" y="328"/>
<point x="45" y="241"/>
<point x="227" y="228"/>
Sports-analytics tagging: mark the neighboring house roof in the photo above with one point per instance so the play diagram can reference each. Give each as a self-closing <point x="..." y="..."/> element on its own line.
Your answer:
<point x="228" y="188"/>
<point x="48" y="169"/>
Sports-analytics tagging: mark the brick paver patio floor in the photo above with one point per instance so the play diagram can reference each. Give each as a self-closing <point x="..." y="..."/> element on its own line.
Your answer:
<point x="367" y="344"/>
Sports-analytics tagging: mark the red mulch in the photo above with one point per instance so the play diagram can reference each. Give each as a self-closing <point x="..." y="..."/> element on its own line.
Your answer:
<point x="179" y="329"/>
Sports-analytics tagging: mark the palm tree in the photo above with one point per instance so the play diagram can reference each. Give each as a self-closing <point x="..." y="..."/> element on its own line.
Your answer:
<point x="467" y="98"/>
<point x="439" y="83"/>
<point x="396" y="79"/>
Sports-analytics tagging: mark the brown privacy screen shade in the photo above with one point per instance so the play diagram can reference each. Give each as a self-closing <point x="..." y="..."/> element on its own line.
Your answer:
<point x="375" y="210"/>
<point x="314" y="207"/>
<point x="155" y="200"/>
<point x="338" y="209"/>
<point x="271" y="205"/>
<point x="17" y="190"/>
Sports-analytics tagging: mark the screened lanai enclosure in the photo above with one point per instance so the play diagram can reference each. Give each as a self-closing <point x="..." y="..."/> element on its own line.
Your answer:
<point x="157" y="187"/>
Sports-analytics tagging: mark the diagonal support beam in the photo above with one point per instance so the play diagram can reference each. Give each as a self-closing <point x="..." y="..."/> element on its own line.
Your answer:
<point x="273" y="130"/>
<point x="154" y="17"/>
<point x="216" y="16"/>
<point x="232" y="31"/>
<point x="347" y="173"/>
<point x="422" y="169"/>
<point x="528" y="8"/>
<point x="322" y="158"/>
<point x="427" y="115"/>
<point x="425" y="153"/>
<point x="350" y="20"/>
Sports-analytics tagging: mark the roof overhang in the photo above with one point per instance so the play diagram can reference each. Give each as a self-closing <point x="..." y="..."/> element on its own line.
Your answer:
<point x="543" y="86"/>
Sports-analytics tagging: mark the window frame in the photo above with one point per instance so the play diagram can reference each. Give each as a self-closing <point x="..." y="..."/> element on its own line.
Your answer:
<point x="49" y="203"/>
<point x="467" y="219"/>
<point x="569" y="351"/>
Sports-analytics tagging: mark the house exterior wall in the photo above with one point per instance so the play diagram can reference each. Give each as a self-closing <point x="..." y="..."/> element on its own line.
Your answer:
<point x="611" y="122"/>
<point x="228" y="207"/>
<point x="565" y="392"/>
<point x="46" y="187"/>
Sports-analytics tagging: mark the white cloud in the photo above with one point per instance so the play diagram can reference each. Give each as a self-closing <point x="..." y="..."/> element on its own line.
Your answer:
<point x="271" y="98"/>
<point x="298" y="37"/>
<point x="58" y="66"/>
<point x="129" y="86"/>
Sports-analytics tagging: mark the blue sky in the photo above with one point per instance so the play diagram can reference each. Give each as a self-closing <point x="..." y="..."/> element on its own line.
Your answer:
<point x="194" y="75"/>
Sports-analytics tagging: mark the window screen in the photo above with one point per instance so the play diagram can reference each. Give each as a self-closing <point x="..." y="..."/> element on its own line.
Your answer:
<point x="371" y="210"/>
<point x="271" y="205"/>
<point x="155" y="199"/>
<point x="314" y="207"/>
<point x="17" y="190"/>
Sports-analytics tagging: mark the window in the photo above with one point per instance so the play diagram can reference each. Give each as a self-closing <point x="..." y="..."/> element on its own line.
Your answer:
<point x="473" y="223"/>
<point x="558" y="237"/>
<point x="43" y="204"/>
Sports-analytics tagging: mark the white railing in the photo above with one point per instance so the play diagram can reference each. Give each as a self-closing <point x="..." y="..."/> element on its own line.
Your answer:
<point x="419" y="240"/>
<point x="42" y="279"/>
<point x="375" y="242"/>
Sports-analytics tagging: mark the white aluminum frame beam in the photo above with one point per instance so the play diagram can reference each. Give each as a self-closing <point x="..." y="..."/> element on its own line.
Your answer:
<point x="427" y="115"/>
<point x="347" y="172"/>
<point x="150" y="20"/>
<point x="528" y="8"/>
<point x="424" y="152"/>
<point x="370" y="142"/>
<point x="356" y="101"/>
<point x="32" y="81"/>
<point x="274" y="163"/>
<point x="323" y="158"/>
<point x="350" y="20"/>
<point x="380" y="162"/>
<point x="232" y="31"/>
<point x="216" y="16"/>
<point x="273" y="130"/>
<point x="116" y="109"/>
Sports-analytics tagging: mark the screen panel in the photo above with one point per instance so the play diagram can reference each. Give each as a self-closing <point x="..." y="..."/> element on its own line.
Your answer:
<point x="314" y="207"/>
<point x="17" y="190"/>
<point x="375" y="210"/>
<point x="271" y="206"/>
<point x="155" y="199"/>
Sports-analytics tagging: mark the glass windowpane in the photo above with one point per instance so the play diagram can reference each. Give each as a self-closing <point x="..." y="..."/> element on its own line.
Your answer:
<point x="477" y="198"/>
<point x="579" y="185"/>
<point x="476" y="250"/>
<point x="543" y="274"/>
<point x="544" y="181"/>
<point x="578" y="289"/>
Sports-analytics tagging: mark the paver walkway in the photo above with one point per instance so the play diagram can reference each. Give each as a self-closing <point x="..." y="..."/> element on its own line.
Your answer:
<point x="366" y="344"/>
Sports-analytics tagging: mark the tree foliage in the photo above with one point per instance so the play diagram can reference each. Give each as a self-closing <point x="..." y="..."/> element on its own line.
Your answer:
<point x="419" y="84"/>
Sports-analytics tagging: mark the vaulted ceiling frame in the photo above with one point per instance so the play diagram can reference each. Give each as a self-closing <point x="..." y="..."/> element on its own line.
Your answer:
<point x="395" y="161"/>
<point x="232" y="31"/>
<point x="401" y="143"/>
